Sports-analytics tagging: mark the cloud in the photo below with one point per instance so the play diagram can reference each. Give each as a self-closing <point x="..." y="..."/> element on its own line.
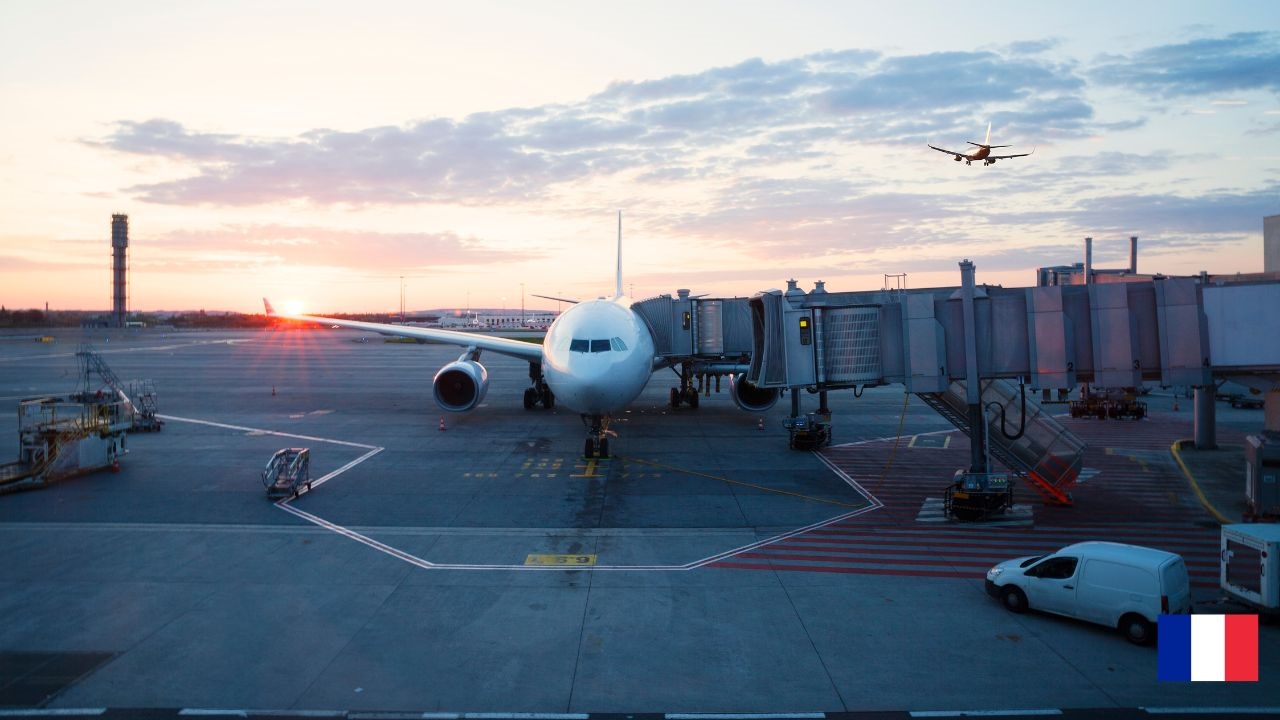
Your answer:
<point x="1237" y="62"/>
<point x="754" y="113"/>
<point x="1222" y="211"/>
<point x="241" y="246"/>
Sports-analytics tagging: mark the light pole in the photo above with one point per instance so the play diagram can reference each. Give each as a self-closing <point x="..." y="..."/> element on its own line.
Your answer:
<point x="401" y="299"/>
<point x="521" y="304"/>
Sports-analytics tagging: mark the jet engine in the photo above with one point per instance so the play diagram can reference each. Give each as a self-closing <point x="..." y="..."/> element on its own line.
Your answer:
<point x="460" y="385"/>
<point x="749" y="397"/>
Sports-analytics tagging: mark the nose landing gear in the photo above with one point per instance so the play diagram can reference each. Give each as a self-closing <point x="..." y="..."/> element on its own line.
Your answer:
<point x="540" y="393"/>
<point x="597" y="443"/>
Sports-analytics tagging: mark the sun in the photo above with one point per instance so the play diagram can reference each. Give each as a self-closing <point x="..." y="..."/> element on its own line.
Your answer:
<point x="293" y="307"/>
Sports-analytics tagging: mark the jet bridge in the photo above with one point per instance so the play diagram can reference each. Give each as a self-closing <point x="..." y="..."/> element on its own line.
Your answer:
<point x="703" y="339"/>
<point x="960" y="348"/>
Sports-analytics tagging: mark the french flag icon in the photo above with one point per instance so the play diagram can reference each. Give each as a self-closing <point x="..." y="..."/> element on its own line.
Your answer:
<point x="1208" y="648"/>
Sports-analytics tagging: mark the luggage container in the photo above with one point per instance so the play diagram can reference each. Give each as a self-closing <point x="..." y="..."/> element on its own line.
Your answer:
<point x="288" y="473"/>
<point x="1250" y="568"/>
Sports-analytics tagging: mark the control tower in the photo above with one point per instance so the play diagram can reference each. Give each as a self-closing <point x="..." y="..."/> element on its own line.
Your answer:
<point x="119" y="269"/>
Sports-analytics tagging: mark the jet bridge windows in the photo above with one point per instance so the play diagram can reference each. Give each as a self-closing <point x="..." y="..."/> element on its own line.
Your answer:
<point x="583" y="345"/>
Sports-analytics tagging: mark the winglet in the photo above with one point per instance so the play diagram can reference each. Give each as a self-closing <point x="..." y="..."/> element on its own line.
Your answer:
<point x="267" y="304"/>
<point x="618" y="290"/>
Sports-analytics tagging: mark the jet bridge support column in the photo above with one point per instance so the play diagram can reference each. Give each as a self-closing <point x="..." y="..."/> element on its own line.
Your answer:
<point x="1205" y="418"/>
<point x="973" y="387"/>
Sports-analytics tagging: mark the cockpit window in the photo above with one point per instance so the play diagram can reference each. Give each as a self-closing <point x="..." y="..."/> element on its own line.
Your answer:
<point x="597" y="346"/>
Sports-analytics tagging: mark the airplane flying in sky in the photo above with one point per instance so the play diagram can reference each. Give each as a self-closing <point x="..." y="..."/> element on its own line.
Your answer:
<point x="596" y="359"/>
<point x="983" y="152"/>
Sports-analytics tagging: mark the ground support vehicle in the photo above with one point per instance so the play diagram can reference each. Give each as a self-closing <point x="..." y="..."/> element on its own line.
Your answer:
<point x="288" y="473"/>
<point x="1127" y="587"/>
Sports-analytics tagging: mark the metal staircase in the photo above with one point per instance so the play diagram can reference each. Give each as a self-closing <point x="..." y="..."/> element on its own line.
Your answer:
<point x="1044" y="453"/>
<point x="92" y="362"/>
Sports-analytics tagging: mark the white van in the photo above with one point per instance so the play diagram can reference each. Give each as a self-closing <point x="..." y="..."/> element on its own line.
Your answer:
<point x="1121" y="586"/>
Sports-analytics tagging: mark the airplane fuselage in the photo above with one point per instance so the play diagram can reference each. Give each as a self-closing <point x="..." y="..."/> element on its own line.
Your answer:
<point x="597" y="356"/>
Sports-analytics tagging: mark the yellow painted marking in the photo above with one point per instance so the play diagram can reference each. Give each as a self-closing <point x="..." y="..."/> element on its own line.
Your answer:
<point x="590" y="469"/>
<point x="583" y="560"/>
<point x="1195" y="486"/>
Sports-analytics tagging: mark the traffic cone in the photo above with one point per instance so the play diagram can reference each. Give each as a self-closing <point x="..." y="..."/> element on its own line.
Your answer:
<point x="273" y="391"/>
<point x="760" y="424"/>
<point x="441" y="423"/>
<point x="115" y="466"/>
<point x="1175" y="404"/>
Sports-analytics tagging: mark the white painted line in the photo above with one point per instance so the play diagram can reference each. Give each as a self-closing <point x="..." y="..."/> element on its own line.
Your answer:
<point x="525" y="716"/>
<point x="286" y="505"/>
<point x="398" y="554"/>
<point x="106" y="350"/>
<point x="440" y="716"/>
<point x="320" y="481"/>
<point x="982" y="712"/>
<point x="53" y="712"/>
<point x="201" y="712"/>
<point x="265" y="432"/>
<point x="777" y="538"/>
<point x="297" y="712"/>
<point x="851" y="482"/>
<point x="1212" y="710"/>
<point x="855" y="443"/>
<point x="744" y="716"/>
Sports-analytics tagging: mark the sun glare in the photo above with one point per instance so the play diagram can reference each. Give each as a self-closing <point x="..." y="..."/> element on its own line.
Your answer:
<point x="293" y="307"/>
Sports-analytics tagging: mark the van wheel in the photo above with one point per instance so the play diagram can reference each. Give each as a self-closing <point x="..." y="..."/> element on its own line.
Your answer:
<point x="1013" y="599"/>
<point x="1136" y="629"/>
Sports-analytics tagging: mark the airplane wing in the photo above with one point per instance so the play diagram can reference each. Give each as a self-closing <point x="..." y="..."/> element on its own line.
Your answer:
<point x="1006" y="157"/>
<point x="557" y="299"/>
<point x="500" y="345"/>
<point x="949" y="152"/>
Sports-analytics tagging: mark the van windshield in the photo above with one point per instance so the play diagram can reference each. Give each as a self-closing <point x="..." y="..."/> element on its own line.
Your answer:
<point x="1029" y="561"/>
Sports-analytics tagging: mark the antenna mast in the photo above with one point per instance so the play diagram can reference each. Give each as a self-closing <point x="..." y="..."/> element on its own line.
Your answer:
<point x="618" y="289"/>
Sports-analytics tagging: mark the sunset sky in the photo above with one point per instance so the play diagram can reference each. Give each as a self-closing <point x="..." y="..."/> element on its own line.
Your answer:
<point x="319" y="151"/>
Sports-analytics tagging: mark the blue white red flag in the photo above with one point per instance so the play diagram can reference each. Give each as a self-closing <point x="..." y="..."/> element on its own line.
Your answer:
<point x="1208" y="648"/>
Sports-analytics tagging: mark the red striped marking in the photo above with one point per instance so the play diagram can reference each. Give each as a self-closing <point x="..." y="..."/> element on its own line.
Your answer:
<point x="1136" y="496"/>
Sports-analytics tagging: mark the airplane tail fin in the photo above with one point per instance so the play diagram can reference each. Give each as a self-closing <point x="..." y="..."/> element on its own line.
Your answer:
<point x="618" y="289"/>
<point x="267" y="304"/>
<point x="987" y="142"/>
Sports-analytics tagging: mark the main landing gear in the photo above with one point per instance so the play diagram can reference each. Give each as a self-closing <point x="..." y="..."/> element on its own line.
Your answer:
<point x="686" y="393"/>
<point x="540" y="393"/>
<point x="597" y="444"/>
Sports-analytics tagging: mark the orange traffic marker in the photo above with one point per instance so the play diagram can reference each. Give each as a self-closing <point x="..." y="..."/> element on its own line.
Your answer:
<point x="441" y="423"/>
<point x="760" y="424"/>
<point x="1175" y="404"/>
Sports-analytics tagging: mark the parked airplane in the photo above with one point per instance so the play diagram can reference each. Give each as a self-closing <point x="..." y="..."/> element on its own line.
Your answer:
<point x="596" y="359"/>
<point x="983" y="152"/>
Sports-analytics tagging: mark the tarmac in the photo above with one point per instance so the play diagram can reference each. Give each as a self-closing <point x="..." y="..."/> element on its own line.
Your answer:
<point x="487" y="568"/>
